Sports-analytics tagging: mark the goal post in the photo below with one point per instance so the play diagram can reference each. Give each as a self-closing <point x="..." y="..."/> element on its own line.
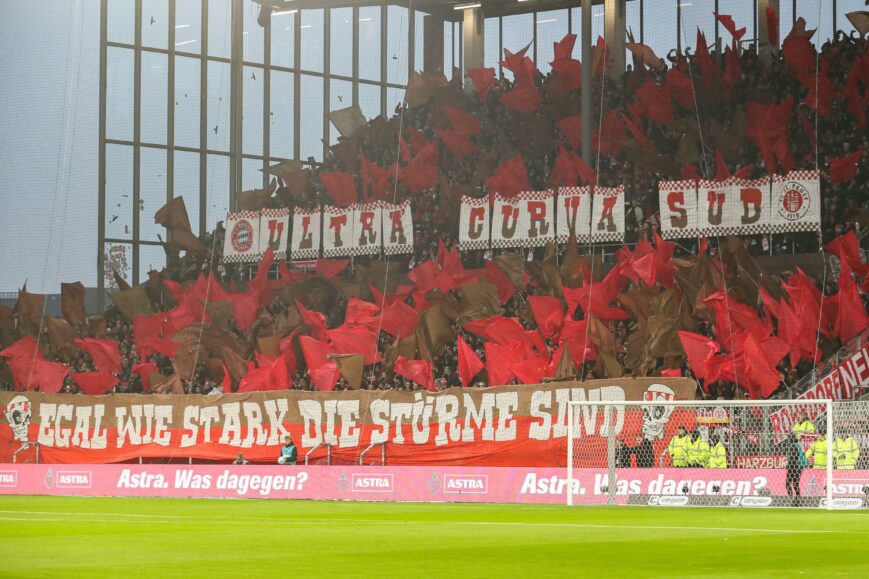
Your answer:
<point x="748" y="453"/>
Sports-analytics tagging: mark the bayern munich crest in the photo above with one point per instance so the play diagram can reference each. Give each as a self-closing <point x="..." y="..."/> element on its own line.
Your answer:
<point x="242" y="236"/>
<point x="794" y="201"/>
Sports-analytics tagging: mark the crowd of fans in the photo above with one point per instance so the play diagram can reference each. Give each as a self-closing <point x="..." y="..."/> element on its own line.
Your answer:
<point x="507" y="131"/>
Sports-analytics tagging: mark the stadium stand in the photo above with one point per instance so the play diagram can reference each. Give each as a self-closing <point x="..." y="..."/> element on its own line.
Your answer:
<point x="443" y="318"/>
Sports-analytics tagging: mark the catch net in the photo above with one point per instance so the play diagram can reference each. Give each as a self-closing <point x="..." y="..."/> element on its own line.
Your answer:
<point x="726" y="453"/>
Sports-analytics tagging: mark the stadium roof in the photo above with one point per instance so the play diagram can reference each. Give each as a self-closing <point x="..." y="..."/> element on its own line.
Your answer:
<point x="448" y="9"/>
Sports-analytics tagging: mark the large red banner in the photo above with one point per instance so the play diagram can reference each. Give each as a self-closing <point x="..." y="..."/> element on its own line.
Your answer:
<point x="504" y="426"/>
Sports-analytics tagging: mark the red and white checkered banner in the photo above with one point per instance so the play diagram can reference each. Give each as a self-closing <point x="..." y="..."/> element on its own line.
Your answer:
<point x="242" y="237"/>
<point x="338" y="239"/>
<point x="741" y="206"/>
<point x="795" y="202"/>
<point x="274" y="231"/>
<point x="366" y="228"/>
<point x="678" y="203"/>
<point x="397" y="228"/>
<point x="474" y="223"/>
<point x="573" y="213"/>
<point x="526" y="220"/>
<point x="305" y="242"/>
<point x="717" y="208"/>
<point x="753" y="196"/>
<point x="608" y="214"/>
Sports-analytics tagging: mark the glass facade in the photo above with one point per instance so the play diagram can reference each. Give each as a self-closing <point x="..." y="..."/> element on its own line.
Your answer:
<point x="197" y="98"/>
<point x="175" y="70"/>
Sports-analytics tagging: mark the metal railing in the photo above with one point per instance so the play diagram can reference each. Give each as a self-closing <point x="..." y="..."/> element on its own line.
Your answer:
<point x="828" y="365"/>
<point x="328" y="453"/>
<point x="382" y="446"/>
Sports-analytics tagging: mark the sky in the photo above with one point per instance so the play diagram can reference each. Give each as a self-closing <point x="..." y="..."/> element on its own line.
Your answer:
<point x="49" y="137"/>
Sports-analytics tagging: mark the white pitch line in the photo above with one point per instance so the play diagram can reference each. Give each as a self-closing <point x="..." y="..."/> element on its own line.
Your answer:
<point x="142" y="518"/>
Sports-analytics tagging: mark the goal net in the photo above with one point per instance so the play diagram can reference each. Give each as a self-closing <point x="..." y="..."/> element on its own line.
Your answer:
<point x="723" y="453"/>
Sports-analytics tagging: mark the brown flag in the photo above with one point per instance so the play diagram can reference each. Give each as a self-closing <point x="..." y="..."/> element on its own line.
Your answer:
<point x="165" y="384"/>
<point x="437" y="330"/>
<point x="8" y="332"/>
<point x="98" y="327"/>
<point x="72" y="303"/>
<point x="234" y="363"/>
<point x="173" y="216"/>
<point x="61" y="335"/>
<point x="610" y="365"/>
<point x="29" y="309"/>
<point x="513" y="265"/>
<point x="479" y="299"/>
<point x="132" y="302"/>
<point x="351" y="367"/>
<point x="348" y="120"/>
<point x="566" y="368"/>
<point x="269" y="345"/>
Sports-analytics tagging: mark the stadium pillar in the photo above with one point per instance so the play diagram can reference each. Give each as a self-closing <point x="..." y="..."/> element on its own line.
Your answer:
<point x="433" y="56"/>
<point x="614" y="29"/>
<point x="764" y="48"/>
<point x="585" y="50"/>
<point x="473" y="30"/>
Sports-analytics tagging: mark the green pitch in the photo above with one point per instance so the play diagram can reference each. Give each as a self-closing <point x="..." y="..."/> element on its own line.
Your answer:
<point x="94" y="537"/>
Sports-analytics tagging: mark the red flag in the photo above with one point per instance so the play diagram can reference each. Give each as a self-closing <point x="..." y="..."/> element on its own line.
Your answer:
<point x="105" y="354"/>
<point x="655" y="102"/>
<point x="30" y="374"/>
<point x="509" y="179"/>
<point x="422" y="172"/>
<point x="341" y="187"/>
<point x="322" y="371"/>
<point x="569" y="72"/>
<point x="145" y="369"/>
<point x="375" y="178"/>
<point x="329" y="268"/>
<point x="727" y="22"/>
<point x="732" y="66"/>
<point x="523" y="97"/>
<point x="483" y="79"/>
<point x="226" y="384"/>
<point x="844" y="169"/>
<point x="24" y="348"/>
<point x="399" y="319"/>
<point x="469" y="363"/>
<point x="671" y="373"/>
<point x="359" y="340"/>
<point x="722" y="172"/>
<point x="699" y="350"/>
<point x="95" y="383"/>
<point x="772" y="26"/>
<point x="419" y="371"/>
<point x="637" y="133"/>
<point x="760" y="371"/>
<point x="497" y="329"/>
<point x="708" y="66"/>
<point x="847" y="247"/>
<point x="769" y="303"/>
<point x="498" y="358"/>
<point x="257" y="380"/>
<point x="571" y="128"/>
<point x="401" y="294"/>
<point x="548" y="314"/>
<point x="456" y="143"/>
<point x="463" y="121"/>
<point x="361" y="313"/>
<point x="564" y="47"/>
<point x="680" y="87"/>
<point x="852" y="318"/>
<point x="767" y="126"/>
<point x="316" y="320"/>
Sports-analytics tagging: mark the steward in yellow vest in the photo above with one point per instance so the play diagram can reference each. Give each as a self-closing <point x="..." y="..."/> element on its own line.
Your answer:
<point x="717" y="453"/>
<point x="698" y="452"/>
<point x="803" y="426"/>
<point x="678" y="448"/>
<point x="846" y="452"/>
<point x="818" y="450"/>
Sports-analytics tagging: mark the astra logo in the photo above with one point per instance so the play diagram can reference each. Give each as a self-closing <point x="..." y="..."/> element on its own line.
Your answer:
<point x="462" y="484"/>
<point x="372" y="483"/>
<point x="69" y="479"/>
<point x="8" y="478"/>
